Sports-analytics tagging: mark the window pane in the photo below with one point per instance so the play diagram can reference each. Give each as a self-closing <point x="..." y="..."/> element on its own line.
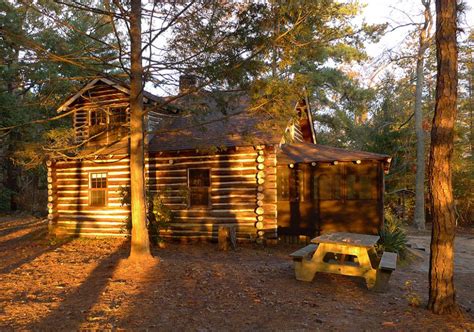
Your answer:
<point x="98" y="180"/>
<point x="199" y="183"/>
<point x="118" y="115"/>
<point x="98" y="197"/>
<point x="199" y="178"/>
<point x="98" y="117"/>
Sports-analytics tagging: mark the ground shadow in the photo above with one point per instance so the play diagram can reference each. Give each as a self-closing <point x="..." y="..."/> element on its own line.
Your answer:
<point x="35" y="240"/>
<point x="73" y="309"/>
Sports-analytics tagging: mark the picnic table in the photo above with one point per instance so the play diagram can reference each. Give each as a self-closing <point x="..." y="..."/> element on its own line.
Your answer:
<point x="348" y="254"/>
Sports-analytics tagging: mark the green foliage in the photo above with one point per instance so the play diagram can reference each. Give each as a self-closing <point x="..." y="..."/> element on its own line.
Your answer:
<point x="392" y="236"/>
<point x="412" y="296"/>
<point x="159" y="216"/>
<point x="5" y="198"/>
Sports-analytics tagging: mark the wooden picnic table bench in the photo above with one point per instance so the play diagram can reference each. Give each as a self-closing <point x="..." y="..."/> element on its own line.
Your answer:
<point x="347" y="254"/>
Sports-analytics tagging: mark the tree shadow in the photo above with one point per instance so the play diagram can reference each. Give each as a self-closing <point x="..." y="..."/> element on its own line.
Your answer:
<point x="82" y="299"/>
<point x="36" y="243"/>
<point x="11" y="229"/>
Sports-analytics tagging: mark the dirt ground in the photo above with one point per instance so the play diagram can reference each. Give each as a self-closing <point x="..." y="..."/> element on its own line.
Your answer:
<point x="72" y="284"/>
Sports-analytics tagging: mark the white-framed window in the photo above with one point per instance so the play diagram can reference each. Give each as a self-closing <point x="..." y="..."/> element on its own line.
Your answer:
<point x="98" y="189"/>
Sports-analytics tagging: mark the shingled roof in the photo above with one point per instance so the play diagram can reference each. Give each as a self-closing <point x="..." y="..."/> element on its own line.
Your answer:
<point x="215" y="120"/>
<point x="308" y="152"/>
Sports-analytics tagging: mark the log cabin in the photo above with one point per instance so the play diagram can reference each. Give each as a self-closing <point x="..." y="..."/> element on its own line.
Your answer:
<point x="215" y="161"/>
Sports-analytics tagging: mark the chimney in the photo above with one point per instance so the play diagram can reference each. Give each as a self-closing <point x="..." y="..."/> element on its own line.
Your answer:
<point x="187" y="82"/>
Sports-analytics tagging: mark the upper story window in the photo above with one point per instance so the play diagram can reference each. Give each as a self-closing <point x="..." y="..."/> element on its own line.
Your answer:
<point x="199" y="183"/>
<point x="108" y="123"/>
<point x="98" y="189"/>
<point x="118" y="115"/>
<point x="98" y="118"/>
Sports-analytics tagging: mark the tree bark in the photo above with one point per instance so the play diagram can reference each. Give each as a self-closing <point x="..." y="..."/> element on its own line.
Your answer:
<point x="140" y="247"/>
<point x="442" y="293"/>
<point x="420" y="133"/>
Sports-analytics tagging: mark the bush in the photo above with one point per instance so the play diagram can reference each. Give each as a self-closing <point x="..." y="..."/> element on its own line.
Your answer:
<point x="5" y="198"/>
<point x="159" y="216"/>
<point x="392" y="236"/>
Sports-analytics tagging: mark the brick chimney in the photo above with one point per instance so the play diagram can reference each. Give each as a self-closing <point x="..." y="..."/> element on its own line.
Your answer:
<point x="187" y="82"/>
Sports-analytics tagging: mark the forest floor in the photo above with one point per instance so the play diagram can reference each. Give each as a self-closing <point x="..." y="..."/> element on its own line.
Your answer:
<point x="71" y="284"/>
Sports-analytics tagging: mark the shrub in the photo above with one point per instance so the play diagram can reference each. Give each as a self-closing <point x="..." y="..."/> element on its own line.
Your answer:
<point x="392" y="236"/>
<point x="5" y="198"/>
<point x="159" y="216"/>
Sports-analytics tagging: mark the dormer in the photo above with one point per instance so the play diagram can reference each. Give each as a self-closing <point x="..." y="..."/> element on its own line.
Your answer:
<point x="100" y="111"/>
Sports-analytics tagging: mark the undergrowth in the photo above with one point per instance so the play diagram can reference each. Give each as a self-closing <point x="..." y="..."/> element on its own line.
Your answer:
<point x="159" y="216"/>
<point x="392" y="236"/>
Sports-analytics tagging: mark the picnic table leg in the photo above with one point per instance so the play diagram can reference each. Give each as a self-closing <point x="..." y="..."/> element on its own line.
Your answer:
<point x="306" y="269"/>
<point x="370" y="274"/>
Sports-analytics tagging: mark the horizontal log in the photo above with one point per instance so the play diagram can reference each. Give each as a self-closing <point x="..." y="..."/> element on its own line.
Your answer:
<point x="218" y="157"/>
<point x="77" y="174"/>
<point x="214" y="213"/>
<point x="91" y="164"/>
<point x="215" y="219"/>
<point x="95" y="168"/>
<point x="167" y="179"/>
<point x="96" y="234"/>
<point x="233" y="205"/>
<point x="87" y="224"/>
<point x="249" y="171"/>
<point x="247" y="227"/>
<point x="91" y="217"/>
<point x="233" y="201"/>
<point x="84" y="205"/>
<point x="219" y="165"/>
<point x="106" y="212"/>
<point x="85" y="198"/>
<point x="84" y="179"/>
<point x="193" y="153"/>
<point x="207" y="235"/>
<point x="95" y="230"/>
<point x="233" y="190"/>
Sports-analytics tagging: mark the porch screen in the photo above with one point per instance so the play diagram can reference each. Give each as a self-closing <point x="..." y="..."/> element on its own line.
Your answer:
<point x="290" y="184"/>
<point x="199" y="183"/>
<point x="98" y="189"/>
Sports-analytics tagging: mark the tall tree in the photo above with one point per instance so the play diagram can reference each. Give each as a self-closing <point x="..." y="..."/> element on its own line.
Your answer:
<point x="424" y="42"/>
<point x="442" y="293"/>
<point x="140" y="246"/>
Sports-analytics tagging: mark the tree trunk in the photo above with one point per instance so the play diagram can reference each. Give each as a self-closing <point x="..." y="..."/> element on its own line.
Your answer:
<point x="420" y="134"/>
<point x="140" y="247"/>
<point x="442" y="294"/>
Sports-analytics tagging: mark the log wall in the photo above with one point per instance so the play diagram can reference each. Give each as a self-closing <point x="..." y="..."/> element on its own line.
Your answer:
<point x="237" y="192"/>
<point x="242" y="194"/>
<point x="69" y="210"/>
